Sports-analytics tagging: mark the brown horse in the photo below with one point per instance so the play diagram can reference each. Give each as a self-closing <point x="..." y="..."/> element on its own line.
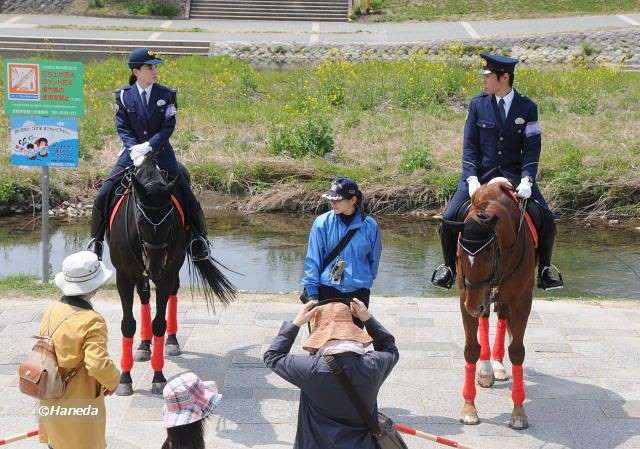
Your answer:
<point x="496" y="261"/>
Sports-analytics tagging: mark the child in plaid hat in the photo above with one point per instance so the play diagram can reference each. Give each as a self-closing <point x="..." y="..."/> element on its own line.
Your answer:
<point x="188" y="401"/>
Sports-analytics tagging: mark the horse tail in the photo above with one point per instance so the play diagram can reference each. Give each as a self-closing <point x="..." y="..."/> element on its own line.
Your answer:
<point x="211" y="281"/>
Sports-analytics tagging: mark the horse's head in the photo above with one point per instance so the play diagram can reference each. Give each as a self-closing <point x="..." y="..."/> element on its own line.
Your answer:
<point x="155" y="215"/>
<point x="478" y="254"/>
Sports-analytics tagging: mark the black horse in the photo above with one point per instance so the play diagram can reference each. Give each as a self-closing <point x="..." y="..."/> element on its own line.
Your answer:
<point x="148" y="240"/>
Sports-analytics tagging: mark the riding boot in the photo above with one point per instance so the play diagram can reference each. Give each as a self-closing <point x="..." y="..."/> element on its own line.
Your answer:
<point x="549" y="277"/>
<point x="98" y="227"/>
<point x="444" y="275"/>
<point x="199" y="245"/>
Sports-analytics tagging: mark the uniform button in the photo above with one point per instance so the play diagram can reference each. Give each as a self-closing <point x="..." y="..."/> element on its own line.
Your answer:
<point x="145" y="132"/>
<point x="499" y="152"/>
<point x="484" y="126"/>
<point x="501" y="138"/>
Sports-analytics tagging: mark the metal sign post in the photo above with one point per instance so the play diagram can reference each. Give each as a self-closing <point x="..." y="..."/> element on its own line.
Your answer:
<point x="44" y="238"/>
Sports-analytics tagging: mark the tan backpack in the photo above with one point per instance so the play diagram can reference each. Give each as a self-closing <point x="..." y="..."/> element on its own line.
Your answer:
<point x="40" y="375"/>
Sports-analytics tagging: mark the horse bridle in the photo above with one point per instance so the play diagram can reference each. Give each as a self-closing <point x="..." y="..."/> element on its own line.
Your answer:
<point x="494" y="280"/>
<point x="142" y="209"/>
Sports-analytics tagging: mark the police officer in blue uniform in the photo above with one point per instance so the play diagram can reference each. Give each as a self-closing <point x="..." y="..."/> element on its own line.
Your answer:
<point x="502" y="137"/>
<point x="145" y="120"/>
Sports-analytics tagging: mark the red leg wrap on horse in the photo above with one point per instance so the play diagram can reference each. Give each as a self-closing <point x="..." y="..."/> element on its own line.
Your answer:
<point x="469" y="390"/>
<point x="497" y="352"/>
<point x="126" y="359"/>
<point x="145" y="321"/>
<point x="517" y="389"/>
<point x="483" y="338"/>
<point x="172" y="315"/>
<point x="157" y="353"/>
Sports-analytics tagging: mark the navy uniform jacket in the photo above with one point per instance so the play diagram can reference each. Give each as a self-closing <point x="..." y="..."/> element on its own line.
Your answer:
<point x="137" y="124"/>
<point x="492" y="149"/>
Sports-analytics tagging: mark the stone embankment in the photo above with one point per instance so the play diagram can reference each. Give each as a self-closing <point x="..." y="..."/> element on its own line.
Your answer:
<point x="602" y="47"/>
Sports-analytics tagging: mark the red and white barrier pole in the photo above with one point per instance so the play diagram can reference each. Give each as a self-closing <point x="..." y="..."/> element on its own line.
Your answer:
<point x="15" y="438"/>
<point x="427" y="436"/>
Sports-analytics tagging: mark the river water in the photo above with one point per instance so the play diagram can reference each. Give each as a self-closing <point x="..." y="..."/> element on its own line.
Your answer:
<point x="269" y="249"/>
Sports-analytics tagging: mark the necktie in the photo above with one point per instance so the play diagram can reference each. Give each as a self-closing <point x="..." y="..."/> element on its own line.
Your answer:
<point x="501" y="109"/>
<point x="145" y="103"/>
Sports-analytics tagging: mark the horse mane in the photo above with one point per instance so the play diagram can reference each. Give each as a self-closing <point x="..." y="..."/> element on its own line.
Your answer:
<point x="495" y="199"/>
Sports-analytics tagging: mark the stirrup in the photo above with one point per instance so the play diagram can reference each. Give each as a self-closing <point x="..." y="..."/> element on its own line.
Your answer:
<point x="205" y="245"/>
<point x="447" y="269"/>
<point x="556" y="270"/>
<point x="97" y="246"/>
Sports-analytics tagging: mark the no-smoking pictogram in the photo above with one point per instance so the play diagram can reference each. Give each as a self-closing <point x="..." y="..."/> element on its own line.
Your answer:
<point x="23" y="81"/>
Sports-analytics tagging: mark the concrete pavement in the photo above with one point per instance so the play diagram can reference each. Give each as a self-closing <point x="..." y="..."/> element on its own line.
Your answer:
<point x="222" y="31"/>
<point x="582" y="370"/>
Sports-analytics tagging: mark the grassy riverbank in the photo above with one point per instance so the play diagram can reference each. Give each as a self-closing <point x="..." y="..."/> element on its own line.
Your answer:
<point x="405" y="10"/>
<point x="396" y="127"/>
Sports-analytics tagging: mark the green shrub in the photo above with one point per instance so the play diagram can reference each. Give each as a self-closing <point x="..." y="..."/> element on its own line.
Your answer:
<point x="8" y="191"/>
<point x="209" y="175"/>
<point x="444" y="184"/>
<point x="165" y="8"/>
<point x="248" y="82"/>
<point x="583" y="105"/>
<point x="416" y="158"/>
<point x="311" y="136"/>
<point x="564" y="173"/>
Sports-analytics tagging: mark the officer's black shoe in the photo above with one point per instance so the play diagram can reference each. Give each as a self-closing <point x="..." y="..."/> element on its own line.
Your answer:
<point x="443" y="277"/>
<point x="550" y="278"/>
<point x="98" y="247"/>
<point x="199" y="248"/>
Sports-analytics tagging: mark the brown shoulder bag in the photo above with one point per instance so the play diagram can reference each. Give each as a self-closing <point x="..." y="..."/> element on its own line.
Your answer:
<point x="40" y="375"/>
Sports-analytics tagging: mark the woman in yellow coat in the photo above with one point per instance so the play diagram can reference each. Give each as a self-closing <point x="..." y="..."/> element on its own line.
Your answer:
<point x="78" y="419"/>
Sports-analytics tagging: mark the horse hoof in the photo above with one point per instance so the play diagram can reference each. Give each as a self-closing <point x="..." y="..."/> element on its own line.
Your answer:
<point x="518" y="419"/>
<point x="124" y="390"/>
<point x="499" y="373"/>
<point x="172" y="350"/>
<point x="469" y="415"/>
<point x="157" y="387"/>
<point x="142" y="355"/>
<point x="485" y="380"/>
<point x="470" y="419"/>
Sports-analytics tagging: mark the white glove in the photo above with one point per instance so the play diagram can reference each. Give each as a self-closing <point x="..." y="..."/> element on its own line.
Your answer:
<point x="524" y="189"/>
<point x="137" y="162"/>
<point x="474" y="184"/>
<point x="139" y="150"/>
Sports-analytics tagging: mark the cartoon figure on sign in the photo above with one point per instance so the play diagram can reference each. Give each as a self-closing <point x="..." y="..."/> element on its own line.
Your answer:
<point x="43" y="146"/>
<point x="31" y="151"/>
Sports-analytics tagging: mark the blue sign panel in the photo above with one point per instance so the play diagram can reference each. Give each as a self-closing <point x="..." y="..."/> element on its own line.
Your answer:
<point x="44" y="141"/>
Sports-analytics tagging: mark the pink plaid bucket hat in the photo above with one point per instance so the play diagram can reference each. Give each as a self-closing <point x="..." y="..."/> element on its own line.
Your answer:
<point x="188" y="399"/>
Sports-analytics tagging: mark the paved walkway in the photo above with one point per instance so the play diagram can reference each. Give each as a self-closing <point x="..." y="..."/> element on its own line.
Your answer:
<point x="221" y="31"/>
<point x="582" y="370"/>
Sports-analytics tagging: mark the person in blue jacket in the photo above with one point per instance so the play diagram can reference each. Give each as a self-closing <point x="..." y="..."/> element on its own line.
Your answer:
<point x="145" y="120"/>
<point x="502" y="137"/>
<point x="352" y="272"/>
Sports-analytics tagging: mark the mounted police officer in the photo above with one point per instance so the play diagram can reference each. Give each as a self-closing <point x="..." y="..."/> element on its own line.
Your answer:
<point x="502" y="137"/>
<point x="145" y="120"/>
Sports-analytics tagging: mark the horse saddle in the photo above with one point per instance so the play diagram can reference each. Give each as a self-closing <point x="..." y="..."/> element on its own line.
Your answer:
<point x="532" y="216"/>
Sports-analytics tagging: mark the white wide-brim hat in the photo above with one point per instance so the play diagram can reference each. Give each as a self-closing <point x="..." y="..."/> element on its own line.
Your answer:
<point x="82" y="273"/>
